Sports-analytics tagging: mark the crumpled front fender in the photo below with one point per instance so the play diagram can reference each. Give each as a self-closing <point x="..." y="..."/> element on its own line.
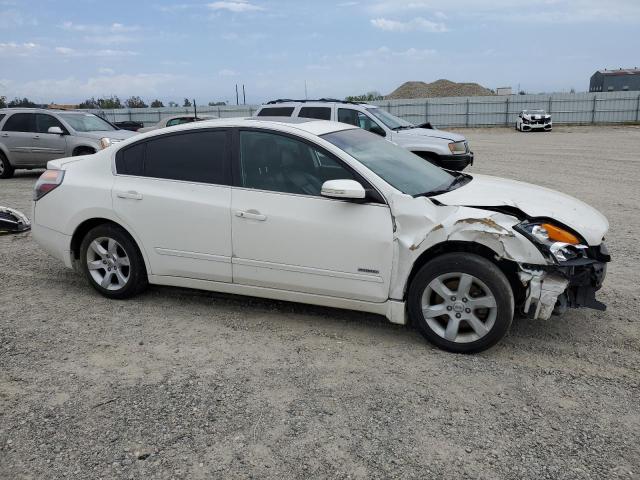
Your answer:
<point x="420" y="225"/>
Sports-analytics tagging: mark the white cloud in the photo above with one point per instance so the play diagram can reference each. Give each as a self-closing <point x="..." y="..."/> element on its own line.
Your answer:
<point x="227" y="72"/>
<point x="12" y="18"/>
<point x="417" y="23"/>
<point x="72" y="52"/>
<point x="95" y="29"/>
<point x="18" y="49"/>
<point x="106" y="71"/>
<point x="123" y="85"/>
<point x="237" y="6"/>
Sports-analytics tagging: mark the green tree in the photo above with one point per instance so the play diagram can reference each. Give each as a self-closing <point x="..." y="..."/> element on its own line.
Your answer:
<point x="187" y="103"/>
<point x="21" y="102"/>
<point x="89" y="103"/>
<point x="109" y="103"/>
<point x="367" y="97"/>
<point x="3" y="102"/>
<point x="217" y="104"/>
<point x="135" y="102"/>
<point x="157" y="104"/>
<point x="173" y="104"/>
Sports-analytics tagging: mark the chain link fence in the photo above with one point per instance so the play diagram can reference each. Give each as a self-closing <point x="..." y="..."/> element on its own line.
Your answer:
<point x="565" y="108"/>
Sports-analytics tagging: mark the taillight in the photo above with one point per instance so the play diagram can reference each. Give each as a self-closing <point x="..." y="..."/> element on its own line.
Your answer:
<point x="49" y="180"/>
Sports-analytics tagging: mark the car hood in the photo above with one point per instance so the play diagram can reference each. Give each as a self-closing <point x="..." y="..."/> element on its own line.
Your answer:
<point x="115" y="134"/>
<point x="417" y="133"/>
<point x="535" y="201"/>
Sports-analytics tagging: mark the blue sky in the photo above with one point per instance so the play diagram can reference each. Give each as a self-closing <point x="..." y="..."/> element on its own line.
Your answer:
<point x="66" y="51"/>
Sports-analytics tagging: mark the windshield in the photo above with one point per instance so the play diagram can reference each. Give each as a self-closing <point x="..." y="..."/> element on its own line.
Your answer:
<point x="86" y="122"/>
<point x="398" y="167"/>
<point x="534" y="111"/>
<point x="389" y="120"/>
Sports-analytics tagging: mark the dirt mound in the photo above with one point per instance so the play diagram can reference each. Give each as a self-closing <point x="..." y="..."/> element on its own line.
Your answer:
<point x="439" y="88"/>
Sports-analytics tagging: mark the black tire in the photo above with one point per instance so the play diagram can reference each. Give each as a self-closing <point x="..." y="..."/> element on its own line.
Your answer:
<point x="6" y="169"/>
<point x="484" y="271"/>
<point x="135" y="272"/>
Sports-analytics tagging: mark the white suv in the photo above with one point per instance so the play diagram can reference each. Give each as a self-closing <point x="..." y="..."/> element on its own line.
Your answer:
<point x="445" y="149"/>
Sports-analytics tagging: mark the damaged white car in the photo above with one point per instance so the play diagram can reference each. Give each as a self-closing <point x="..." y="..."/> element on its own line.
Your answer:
<point x="322" y="213"/>
<point x="529" y="120"/>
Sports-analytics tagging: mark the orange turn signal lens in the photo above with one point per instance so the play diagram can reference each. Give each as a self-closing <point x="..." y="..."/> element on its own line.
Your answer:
<point x="557" y="234"/>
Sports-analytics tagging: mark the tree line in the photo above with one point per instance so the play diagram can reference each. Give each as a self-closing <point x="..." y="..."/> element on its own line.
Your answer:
<point x="104" y="103"/>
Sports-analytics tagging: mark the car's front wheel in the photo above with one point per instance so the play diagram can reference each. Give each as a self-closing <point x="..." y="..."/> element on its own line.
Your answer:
<point x="112" y="262"/>
<point x="461" y="302"/>
<point x="6" y="169"/>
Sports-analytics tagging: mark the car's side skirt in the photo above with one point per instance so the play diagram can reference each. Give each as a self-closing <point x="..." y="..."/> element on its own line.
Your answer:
<point x="392" y="309"/>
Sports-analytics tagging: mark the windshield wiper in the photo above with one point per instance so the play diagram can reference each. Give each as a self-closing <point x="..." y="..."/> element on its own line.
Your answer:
<point x="403" y="127"/>
<point x="459" y="180"/>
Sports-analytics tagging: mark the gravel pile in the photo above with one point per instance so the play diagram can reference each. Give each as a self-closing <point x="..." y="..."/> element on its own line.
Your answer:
<point x="181" y="384"/>
<point x="439" y="88"/>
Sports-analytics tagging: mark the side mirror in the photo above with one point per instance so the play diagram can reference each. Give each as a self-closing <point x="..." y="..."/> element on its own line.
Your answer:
<point x="55" y="130"/>
<point x="346" y="189"/>
<point x="377" y="130"/>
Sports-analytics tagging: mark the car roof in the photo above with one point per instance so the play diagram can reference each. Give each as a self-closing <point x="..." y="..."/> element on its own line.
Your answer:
<point x="328" y="102"/>
<point x="312" y="126"/>
<point x="41" y="110"/>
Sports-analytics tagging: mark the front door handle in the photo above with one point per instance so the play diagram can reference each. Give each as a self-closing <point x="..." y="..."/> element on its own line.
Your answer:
<point x="36" y="137"/>
<point x="131" y="195"/>
<point x="251" y="215"/>
<point x="5" y="135"/>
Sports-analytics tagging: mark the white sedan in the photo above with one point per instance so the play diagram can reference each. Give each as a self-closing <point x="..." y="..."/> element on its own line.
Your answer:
<point x="322" y="213"/>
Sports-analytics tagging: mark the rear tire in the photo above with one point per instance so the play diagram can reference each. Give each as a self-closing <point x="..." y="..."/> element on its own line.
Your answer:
<point x="461" y="302"/>
<point x="6" y="169"/>
<point x="112" y="262"/>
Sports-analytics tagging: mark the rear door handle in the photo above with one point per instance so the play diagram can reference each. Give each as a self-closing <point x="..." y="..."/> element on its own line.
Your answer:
<point x="36" y="136"/>
<point x="131" y="195"/>
<point x="5" y="135"/>
<point x="251" y="215"/>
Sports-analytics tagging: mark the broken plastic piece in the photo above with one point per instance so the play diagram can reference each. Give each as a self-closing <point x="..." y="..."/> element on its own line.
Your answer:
<point x="12" y="221"/>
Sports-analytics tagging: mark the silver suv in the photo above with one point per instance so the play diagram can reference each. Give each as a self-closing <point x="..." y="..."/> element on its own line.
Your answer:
<point x="30" y="137"/>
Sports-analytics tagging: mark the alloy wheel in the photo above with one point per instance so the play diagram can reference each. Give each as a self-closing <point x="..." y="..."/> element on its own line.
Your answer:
<point x="108" y="263"/>
<point x="459" y="307"/>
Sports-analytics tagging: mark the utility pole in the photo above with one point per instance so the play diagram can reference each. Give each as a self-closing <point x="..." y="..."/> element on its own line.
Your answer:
<point x="237" y="99"/>
<point x="244" y="96"/>
<point x="195" y="109"/>
<point x="305" y="90"/>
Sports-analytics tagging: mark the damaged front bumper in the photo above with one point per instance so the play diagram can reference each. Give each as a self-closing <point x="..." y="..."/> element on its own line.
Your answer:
<point x="571" y="284"/>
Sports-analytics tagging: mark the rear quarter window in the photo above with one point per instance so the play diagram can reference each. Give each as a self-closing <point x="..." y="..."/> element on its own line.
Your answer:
<point x="320" y="113"/>
<point x="275" y="112"/>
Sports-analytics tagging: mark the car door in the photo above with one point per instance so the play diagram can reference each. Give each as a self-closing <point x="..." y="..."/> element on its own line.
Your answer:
<point x="48" y="146"/>
<point x="17" y="135"/>
<point x="173" y="191"/>
<point x="287" y="236"/>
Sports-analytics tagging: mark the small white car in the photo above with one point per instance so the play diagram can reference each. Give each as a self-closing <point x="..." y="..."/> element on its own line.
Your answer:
<point x="529" y="120"/>
<point x="323" y="213"/>
<point x="176" y="120"/>
<point x="445" y="149"/>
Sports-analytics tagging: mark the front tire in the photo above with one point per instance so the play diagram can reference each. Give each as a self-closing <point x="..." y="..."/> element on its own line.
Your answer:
<point x="461" y="302"/>
<point x="6" y="169"/>
<point x="112" y="263"/>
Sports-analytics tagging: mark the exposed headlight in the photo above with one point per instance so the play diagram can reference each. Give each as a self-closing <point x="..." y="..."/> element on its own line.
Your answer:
<point x="107" y="142"/>
<point x="525" y="120"/>
<point x="458" y="147"/>
<point x="557" y="241"/>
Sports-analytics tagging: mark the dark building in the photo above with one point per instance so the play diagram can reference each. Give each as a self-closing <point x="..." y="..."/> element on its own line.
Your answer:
<point x="620" y="80"/>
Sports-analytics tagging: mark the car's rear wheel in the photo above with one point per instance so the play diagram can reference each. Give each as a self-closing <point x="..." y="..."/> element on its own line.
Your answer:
<point x="461" y="302"/>
<point x="112" y="262"/>
<point x="6" y="169"/>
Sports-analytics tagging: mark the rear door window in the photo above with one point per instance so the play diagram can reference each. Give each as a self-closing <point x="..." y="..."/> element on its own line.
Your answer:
<point x="320" y="113"/>
<point x="201" y="156"/>
<point x="276" y="112"/>
<point x="20" y="122"/>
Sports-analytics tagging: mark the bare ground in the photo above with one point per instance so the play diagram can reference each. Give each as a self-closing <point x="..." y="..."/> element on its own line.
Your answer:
<point x="186" y="384"/>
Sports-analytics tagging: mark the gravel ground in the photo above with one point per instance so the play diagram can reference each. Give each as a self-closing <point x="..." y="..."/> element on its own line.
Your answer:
<point x="186" y="384"/>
